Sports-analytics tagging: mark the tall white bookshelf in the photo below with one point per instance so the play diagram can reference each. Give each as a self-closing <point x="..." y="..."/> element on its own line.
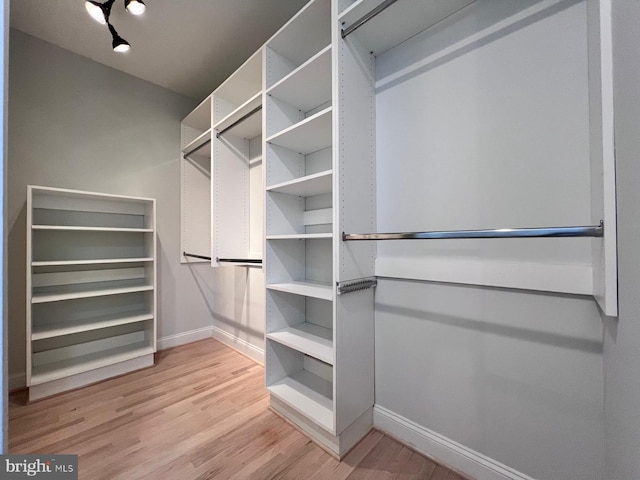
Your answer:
<point x="319" y="348"/>
<point x="91" y="287"/>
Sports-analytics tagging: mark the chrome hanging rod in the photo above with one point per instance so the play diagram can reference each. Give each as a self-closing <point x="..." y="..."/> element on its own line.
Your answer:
<point x="239" y="260"/>
<point x="365" y="18"/>
<point x="240" y="120"/>
<point x="185" y="254"/>
<point x="207" y="142"/>
<point x="588" y="231"/>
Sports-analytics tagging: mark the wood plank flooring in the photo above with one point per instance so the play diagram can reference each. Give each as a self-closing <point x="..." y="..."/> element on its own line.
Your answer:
<point x="200" y="413"/>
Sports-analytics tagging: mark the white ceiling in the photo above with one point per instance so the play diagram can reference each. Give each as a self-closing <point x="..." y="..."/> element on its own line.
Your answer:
<point x="187" y="46"/>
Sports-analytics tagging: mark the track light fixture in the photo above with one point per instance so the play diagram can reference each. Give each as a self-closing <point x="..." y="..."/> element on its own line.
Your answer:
<point x="101" y="12"/>
<point x="119" y="44"/>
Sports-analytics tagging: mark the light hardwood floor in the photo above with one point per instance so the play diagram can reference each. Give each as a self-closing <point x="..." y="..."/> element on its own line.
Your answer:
<point x="200" y="413"/>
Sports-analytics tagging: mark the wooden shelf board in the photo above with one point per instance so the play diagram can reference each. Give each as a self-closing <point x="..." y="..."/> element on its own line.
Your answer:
<point x="100" y="261"/>
<point x="320" y="290"/>
<point x="316" y="184"/>
<point x="309" y="85"/>
<point x="56" y="297"/>
<point x="248" y="128"/>
<point x="398" y="22"/>
<point x="199" y="142"/>
<point x="308" y="394"/>
<point x="307" y="338"/>
<point x="300" y="236"/>
<point x="84" y="325"/>
<point x="79" y="228"/>
<point x="308" y="136"/>
<point x="74" y="366"/>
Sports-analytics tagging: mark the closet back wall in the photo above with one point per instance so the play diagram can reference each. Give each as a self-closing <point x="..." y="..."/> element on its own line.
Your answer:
<point x="74" y="123"/>
<point x="498" y="138"/>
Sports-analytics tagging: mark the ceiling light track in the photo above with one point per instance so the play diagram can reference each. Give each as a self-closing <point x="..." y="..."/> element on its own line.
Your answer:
<point x="101" y="12"/>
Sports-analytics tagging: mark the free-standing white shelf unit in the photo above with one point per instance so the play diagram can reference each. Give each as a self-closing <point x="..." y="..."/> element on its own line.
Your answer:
<point x="91" y="287"/>
<point x="319" y="348"/>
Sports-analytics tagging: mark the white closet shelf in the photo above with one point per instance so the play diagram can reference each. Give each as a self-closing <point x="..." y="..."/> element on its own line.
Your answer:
<point x="101" y="292"/>
<point x="94" y="261"/>
<point x="308" y="394"/>
<point x="319" y="290"/>
<point x="309" y="85"/>
<point x="85" y="363"/>
<point x="80" y="228"/>
<point x="303" y="36"/>
<point x="198" y="143"/>
<point x="84" y="325"/>
<point x="309" y="186"/>
<point x="300" y="236"/>
<point x="398" y="22"/>
<point x="308" y="136"/>
<point x="249" y="128"/>
<point x="307" y="338"/>
<point x="200" y="117"/>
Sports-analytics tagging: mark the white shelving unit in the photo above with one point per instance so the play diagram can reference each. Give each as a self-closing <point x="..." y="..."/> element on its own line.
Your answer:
<point x="91" y="301"/>
<point x="195" y="183"/>
<point x="236" y="163"/>
<point x="308" y="326"/>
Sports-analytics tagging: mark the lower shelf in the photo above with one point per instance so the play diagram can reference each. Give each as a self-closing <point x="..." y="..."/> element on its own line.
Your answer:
<point x="308" y="394"/>
<point x="86" y="324"/>
<point x="307" y="338"/>
<point x="73" y="366"/>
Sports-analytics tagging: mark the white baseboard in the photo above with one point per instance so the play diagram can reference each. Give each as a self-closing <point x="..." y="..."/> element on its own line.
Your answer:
<point x="184" y="337"/>
<point x="242" y="346"/>
<point x="442" y="449"/>
<point x="17" y="381"/>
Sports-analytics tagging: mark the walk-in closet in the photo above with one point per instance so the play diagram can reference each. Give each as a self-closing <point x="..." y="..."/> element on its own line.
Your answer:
<point x="324" y="239"/>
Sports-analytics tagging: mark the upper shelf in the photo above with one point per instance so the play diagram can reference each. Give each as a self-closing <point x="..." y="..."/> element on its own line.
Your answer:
<point x="300" y="39"/>
<point x="200" y="117"/>
<point x="91" y="229"/>
<point x="245" y="128"/>
<point x="398" y="22"/>
<point x="196" y="145"/>
<point x="240" y="86"/>
<point x="309" y="85"/>
<point x="308" y="136"/>
<point x="93" y="261"/>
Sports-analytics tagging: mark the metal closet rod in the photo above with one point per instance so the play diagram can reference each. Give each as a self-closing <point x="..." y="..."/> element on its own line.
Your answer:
<point x="239" y="260"/>
<point x="185" y="254"/>
<point x="366" y="17"/>
<point x="240" y="120"/>
<point x="197" y="148"/>
<point x="587" y="231"/>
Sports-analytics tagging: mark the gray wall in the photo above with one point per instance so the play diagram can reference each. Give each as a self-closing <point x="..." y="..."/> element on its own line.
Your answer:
<point x="622" y="335"/>
<point x="514" y="375"/>
<point x="74" y="123"/>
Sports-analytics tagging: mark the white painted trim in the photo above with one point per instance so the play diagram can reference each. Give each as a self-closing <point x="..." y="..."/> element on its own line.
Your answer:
<point x="442" y="449"/>
<point x="238" y="344"/>
<point x="184" y="338"/>
<point x="17" y="381"/>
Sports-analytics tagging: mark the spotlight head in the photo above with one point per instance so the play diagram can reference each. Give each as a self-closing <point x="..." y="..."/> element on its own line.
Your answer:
<point x="96" y="10"/>
<point x="135" y="7"/>
<point x="119" y="44"/>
